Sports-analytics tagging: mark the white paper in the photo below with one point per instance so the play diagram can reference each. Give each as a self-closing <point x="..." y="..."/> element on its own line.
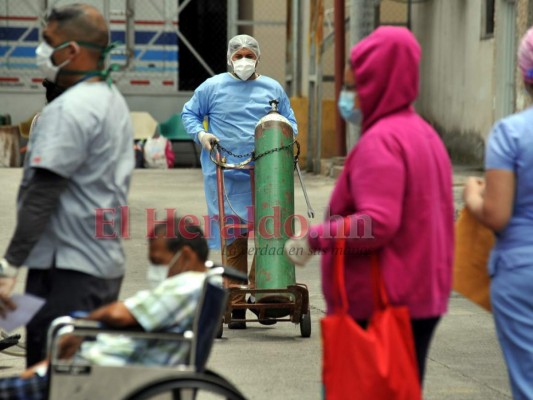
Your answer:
<point x="27" y="306"/>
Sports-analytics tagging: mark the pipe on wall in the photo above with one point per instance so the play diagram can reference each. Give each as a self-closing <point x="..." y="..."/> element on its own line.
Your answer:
<point x="340" y="125"/>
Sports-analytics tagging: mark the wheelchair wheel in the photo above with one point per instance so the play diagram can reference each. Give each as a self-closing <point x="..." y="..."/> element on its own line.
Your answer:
<point x="190" y="386"/>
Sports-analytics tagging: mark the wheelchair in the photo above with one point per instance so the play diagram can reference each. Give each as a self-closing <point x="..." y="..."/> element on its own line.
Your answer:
<point x="79" y="380"/>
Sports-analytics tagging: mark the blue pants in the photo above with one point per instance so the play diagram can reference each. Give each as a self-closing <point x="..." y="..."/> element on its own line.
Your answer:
<point x="512" y="302"/>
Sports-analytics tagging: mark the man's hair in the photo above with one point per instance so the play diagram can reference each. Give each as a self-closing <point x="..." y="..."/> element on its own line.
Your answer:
<point x="80" y="22"/>
<point x="185" y="234"/>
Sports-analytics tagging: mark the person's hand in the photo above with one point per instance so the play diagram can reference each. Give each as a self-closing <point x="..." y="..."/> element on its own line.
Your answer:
<point x="68" y="346"/>
<point x="474" y="187"/>
<point x="39" y="369"/>
<point x="298" y="250"/>
<point x="6" y="304"/>
<point x="8" y="278"/>
<point x="207" y="139"/>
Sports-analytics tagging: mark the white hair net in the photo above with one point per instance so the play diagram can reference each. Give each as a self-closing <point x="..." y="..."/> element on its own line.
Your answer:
<point x="242" y="42"/>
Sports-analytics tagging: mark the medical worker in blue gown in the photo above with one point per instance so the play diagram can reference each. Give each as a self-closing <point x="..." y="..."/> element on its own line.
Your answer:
<point x="233" y="103"/>
<point x="503" y="201"/>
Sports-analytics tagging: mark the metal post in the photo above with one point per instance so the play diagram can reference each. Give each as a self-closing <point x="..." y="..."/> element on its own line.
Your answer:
<point x="319" y="93"/>
<point x="289" y="58"/>
<point x="312" y="89"/>
<point x="245" y="22"/>
<point x="340" y="44"/>
<point x="107" y="11"/>
<point x="356" y="29"/>
<point x="312" y="128"/>
<point x="130" y="31"/>
<point x="44" y="9"/>
<point x="233" y="16"/>
<point x="296" y="49"/>
<point x="409" y="13"/>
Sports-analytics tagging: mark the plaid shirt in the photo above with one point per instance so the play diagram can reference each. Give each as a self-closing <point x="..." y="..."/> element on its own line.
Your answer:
<point x="170" y="307"/>
<point x="16" y="388"/>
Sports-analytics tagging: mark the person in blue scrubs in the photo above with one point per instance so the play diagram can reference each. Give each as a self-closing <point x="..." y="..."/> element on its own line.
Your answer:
<point x="233" y="102"/>
<point x="503" y="201"/>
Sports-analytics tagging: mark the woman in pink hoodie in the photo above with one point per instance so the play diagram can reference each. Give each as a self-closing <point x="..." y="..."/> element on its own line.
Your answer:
<point x="396" y="189"/>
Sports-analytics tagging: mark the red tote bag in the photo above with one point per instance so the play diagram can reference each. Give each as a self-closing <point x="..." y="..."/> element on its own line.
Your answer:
<point x="378" y="363"/>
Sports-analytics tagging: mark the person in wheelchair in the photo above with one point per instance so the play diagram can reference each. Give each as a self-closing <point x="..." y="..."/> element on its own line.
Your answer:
<point x="177" y="270"/>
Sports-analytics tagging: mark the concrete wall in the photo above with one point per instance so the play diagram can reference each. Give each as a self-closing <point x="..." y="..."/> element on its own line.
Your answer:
<point x="457" y="70"/>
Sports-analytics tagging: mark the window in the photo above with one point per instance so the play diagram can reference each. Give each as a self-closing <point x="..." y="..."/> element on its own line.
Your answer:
<point x="489" y="13"/>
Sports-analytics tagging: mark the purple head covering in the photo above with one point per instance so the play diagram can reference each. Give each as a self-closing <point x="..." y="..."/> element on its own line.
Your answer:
<point x="525" y="56"/>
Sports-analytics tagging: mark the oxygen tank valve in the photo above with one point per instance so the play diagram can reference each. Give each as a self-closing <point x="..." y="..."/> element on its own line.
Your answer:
<point x="274" y="104"/>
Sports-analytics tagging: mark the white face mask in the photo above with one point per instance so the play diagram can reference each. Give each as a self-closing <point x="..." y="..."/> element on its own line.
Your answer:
<point x="157" y="273"/>
<point x="244" y="68"/>
<point x="44" y="61"/>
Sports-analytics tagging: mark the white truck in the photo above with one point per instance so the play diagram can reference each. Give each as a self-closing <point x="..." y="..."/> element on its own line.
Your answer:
<point x="149" y="54"/>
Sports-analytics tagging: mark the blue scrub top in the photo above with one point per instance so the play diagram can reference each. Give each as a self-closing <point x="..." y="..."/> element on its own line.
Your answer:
<point x="232" y="107"/>
<point x="510" y="147"/>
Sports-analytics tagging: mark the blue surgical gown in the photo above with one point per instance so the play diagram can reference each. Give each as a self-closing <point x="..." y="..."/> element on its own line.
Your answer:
<point x="233" y="108"/>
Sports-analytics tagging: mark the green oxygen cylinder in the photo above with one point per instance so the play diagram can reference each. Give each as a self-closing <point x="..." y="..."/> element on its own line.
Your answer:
<point x="274" y="207"/>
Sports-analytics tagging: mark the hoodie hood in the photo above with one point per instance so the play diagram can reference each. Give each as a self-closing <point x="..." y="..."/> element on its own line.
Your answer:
<point x="386" y="70"/>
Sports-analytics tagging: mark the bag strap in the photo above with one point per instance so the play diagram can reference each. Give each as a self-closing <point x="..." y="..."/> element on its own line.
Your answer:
<point x="339" y="285"/>
<point x="381" y="299"/>
<point x="379" y="293"/>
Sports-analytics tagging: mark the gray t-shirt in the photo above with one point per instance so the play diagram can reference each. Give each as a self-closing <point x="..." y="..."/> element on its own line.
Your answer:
<point x="86" y="136"/>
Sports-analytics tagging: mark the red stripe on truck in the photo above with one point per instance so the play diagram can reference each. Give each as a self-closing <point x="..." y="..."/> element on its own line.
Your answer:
<point x="17" y="18"/>
<point x="9" y="79"/>
<point x="139" y="82"/>
<point x="143" y="22"/>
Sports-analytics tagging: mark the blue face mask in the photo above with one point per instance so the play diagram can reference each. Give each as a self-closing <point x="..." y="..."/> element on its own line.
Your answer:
<point x="347" y="108"/>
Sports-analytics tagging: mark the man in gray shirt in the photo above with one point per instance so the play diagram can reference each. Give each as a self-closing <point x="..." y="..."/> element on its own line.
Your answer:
<point x="76" y="173"/>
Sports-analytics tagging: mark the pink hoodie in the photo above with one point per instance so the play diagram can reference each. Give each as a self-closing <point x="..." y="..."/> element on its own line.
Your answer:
<point x="396" y="188"/>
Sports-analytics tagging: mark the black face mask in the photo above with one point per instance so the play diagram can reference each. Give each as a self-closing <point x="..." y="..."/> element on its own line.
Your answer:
<point x="53" y="90"/>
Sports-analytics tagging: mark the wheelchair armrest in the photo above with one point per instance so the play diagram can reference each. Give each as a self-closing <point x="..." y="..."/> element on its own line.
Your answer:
<point x="55" y="326"/>
<point x="89" y="329"/>
<point x="136" y="333"/>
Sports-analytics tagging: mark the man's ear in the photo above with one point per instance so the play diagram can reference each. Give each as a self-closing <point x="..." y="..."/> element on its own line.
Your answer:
<point x="73" y="49"/>
<point x="187" y="253"/>
<point x="189" y="259"/>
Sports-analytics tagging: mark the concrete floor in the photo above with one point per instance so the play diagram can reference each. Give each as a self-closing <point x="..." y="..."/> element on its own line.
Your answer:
<point x="275" y="362"/>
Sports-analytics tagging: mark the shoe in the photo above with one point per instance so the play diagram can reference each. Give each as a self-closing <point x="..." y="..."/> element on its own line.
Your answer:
<point x="238" y="314"/>
<point x="265" y="321"/>
<point x="9" y="341"/>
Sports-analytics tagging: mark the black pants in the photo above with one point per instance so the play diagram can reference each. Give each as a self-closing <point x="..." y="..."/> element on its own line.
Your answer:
<point x="65" y="291"/>
<point x="423" y="330"/>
